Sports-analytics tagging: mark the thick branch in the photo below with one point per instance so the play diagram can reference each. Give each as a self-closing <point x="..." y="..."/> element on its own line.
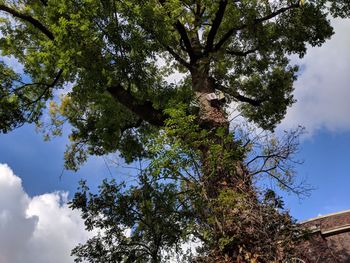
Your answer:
<point x="198" y="13"/>
<point x="216" y="24"/>
<point x="144" y="110"/>
<point x="182" y="31"/>
<point x="180" y="28"/>
<point x="56" y="79"/>
<point x="238" y="96"/>
<point x="242" y="98"/>
<point x="34" y="22"/>
<point x="38" y="25"/>
<point x="254" y="22"/>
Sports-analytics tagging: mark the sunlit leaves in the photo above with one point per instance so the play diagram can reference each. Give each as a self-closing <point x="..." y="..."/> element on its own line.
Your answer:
<point x="99" y="44"/>
<point x="169" y="204"/>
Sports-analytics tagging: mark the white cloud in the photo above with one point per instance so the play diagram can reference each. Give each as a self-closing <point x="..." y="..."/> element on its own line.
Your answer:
<point x="42" y="229"/>
<point x="323" y="89"/>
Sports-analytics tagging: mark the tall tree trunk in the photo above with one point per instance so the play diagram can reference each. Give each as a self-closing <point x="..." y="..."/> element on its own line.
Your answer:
<point x="220" y="176"/>
<point x="213" y="118"/>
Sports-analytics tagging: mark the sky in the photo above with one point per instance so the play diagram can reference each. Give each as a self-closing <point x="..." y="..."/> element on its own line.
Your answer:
<point x="34" y="187"/>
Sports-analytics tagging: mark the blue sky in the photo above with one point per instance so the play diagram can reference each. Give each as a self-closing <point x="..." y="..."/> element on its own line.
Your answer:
<point x="326" y="168"/>
<point x="323" y="107"/>
<point x="39" y="164"/>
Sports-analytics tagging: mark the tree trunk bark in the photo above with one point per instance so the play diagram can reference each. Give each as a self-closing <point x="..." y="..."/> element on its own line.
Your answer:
<point x="220" y="175"/>
<point x="211" y="114"/>
<point x="213" y="117"/>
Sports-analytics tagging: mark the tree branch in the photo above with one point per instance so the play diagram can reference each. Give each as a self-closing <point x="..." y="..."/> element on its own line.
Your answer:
<point x="34" y="22"/>
<point x="275" y="13"/>
<point x="131" y="125"/>
<point x="56" y="79"/>
<point x="238" y="96"/>
<point x="255" y="22"/>
<point x="48" y="86"/>
<point x="266" y="157"/>
<point x="241" y="53"/>
<point x="183" y="34"/>
<point x="177" y="57"/>
<point x="180" y="28"/>
<point x="198" y="13"/>
<point x="144" y="110"/>
<point x="44" y="2"/>
<point x="290" y="188"/>
<point x="215" y="26"/>
<point x="242" y="98"/>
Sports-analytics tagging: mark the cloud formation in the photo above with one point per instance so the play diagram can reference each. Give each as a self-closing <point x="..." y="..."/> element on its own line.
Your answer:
<point x="42" y="229"/>
<point x="323" y="87"/>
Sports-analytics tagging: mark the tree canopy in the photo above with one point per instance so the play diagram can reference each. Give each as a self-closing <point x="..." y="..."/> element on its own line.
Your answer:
<point x="112" y="59"/>
<point x="110" y="52"/>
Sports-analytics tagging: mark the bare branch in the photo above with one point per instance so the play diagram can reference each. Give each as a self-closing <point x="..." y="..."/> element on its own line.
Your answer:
<point x="276" y="159"/>
<point x="292" y="189"/>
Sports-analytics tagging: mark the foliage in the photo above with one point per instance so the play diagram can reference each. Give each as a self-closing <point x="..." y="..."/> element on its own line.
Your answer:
<point x="170" y="206"/>
<point x="112" y="60"/>
<point x="108" y="50"/>
<point x="136" y="224"/>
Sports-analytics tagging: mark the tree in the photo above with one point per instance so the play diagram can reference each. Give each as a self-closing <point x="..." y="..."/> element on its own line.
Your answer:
<point x="111" y="52"/>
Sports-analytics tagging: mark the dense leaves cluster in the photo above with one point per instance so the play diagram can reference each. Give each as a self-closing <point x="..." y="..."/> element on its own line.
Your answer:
<point x="137" y="225"/>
